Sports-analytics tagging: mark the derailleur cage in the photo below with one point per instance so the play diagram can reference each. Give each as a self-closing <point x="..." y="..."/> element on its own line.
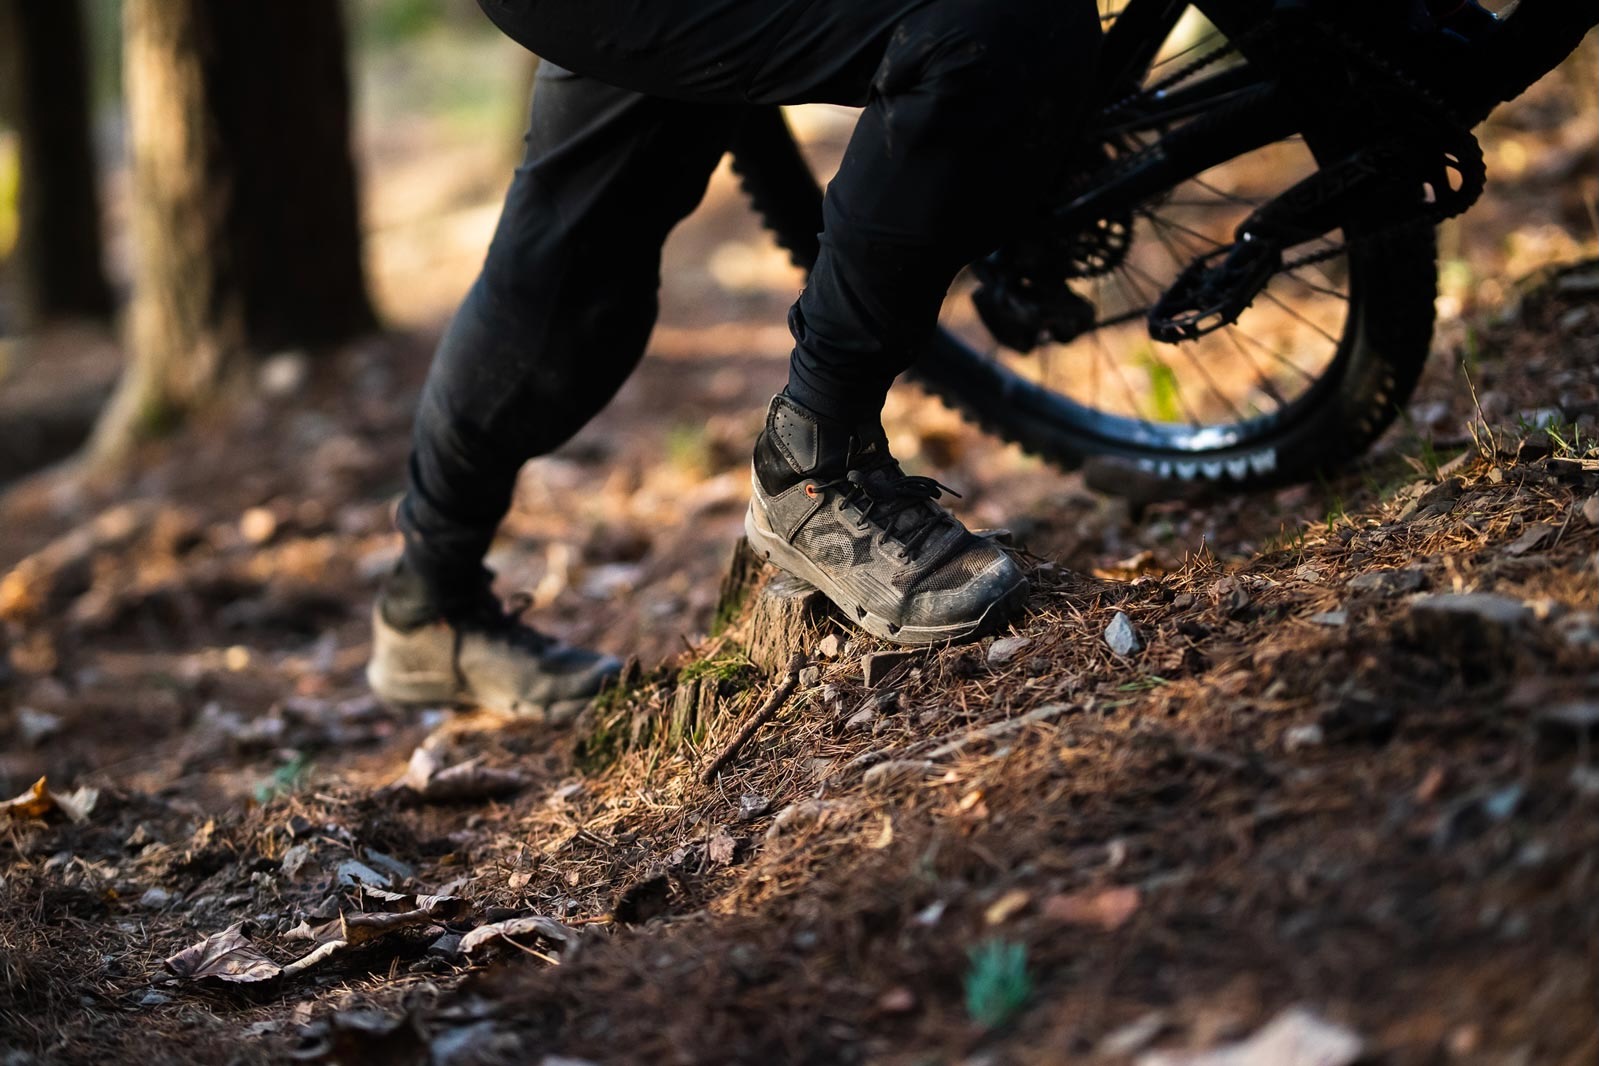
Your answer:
<point x="1214" y="290"/>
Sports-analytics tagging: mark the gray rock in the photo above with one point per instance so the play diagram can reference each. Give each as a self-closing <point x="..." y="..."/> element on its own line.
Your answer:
<point x="810" y="677"/>
<point x="1574" y="722"/>
<point x="36" y="726"/>
<point x="353" y="872"/>
<point x="447" y="946"/>
<point x="1485" y="607"/>
<point x="828" y="647"/>
<point x="1005" y="649"/>
<point x="1122" y="636"/>
<point x="878" y="665"/>
<point x="294" y="860"/>
<point x="390" y="865"/>
<point x="1388" y="582"/>
<point x="155" y="899"/>
<point x="1304" y="736"/>
<point x="1331" y="618"/>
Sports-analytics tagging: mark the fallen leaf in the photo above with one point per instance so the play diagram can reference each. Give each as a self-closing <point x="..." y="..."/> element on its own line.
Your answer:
<point x="39" y="801"/>
<point x="1108" y="909"/>
<point x="516" y="929"/>
<point x="432" y="781"/>
<point x="444" y="907"/>
<point x="1296" y="1037"/>
<point x="885" y="836"/>
<point x="34" y="803"/>
<point x="1537" y="536"/>
<point x="225" y="956"/>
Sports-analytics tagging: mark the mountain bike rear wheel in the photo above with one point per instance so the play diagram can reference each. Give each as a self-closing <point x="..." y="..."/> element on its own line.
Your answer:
<point x="1306" y="378"/>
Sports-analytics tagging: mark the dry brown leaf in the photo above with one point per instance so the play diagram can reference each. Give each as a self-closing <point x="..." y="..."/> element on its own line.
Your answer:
<point x="39" y="801"/>
<point x="433" y="781"/>
<point x="1108" y="909"/>
<point x="34" y="803"/>
<point x="1538" y="535"/>
<point x="515" y="929"/>
<point x="440" y="907"/>
<point x="225" y="956"/>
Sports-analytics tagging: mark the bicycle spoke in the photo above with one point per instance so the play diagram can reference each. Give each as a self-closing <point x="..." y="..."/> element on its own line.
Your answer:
<point x="1124" y="280"/>
<point x="1299" y="316"/>
<point x="1188" y="352"/>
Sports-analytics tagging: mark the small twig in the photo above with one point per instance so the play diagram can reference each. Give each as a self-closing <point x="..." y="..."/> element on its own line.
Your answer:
<point x="762" y="716"/>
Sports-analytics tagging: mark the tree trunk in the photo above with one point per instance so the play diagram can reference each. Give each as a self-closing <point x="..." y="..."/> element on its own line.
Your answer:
<point x="245" y="215"/>
<point x="46" y="96"/>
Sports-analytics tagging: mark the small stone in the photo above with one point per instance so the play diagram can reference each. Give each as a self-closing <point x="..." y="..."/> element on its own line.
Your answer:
<point x="1133" y="1037"/>
<point x="1503" y="803"/>
<point x="1331" y="618"/>
<point x="828" y="647"/>
<point x="284" y="374"/>
<point x="294" y="860"/>
<point x="1004" y="650"/>
<point x="36" y="726"/>
<point x="447" y="946"/>
<point x="1590" y="510"/>
<point x="353" y="872"/>
<point x="257" y="525"/>
<point x="1576" y="720"/>
<point x="1476" y="630"/>
<point x="1122" y="637"/>
<point x="1585" y="779"/>
<point x="1536" y="445"/>
<point x="155" y="899"/>
<point x="752" y="805"/>
<point x="878" y="665"/>
<point x="1304" y="736"/>
<point x="152" y="998"/>
<point x="810" y="677"/>
<point x="899" y="1000"/>
<point x="1438" y="500"/>
<point x="403" y="871"/>
<point x="1388" y="582"/>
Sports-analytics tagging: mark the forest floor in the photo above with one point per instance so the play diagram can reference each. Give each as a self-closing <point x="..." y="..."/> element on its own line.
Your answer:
<point x="1351" y="770"/>
<point x="1328" y="801"/>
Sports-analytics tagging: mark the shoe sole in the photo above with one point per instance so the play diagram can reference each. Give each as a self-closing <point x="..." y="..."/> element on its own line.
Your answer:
<point x="435" y="692"/>
<point x="784" y="555"/>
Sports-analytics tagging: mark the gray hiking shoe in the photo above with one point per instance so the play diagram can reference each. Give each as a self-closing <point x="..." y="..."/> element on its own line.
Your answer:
<point x="483" y="655"/>
<point x="831" y="506"/>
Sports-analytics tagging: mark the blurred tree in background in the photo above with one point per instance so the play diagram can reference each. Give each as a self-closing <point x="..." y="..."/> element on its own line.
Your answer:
<point x="44" y="96"/>
<point x="244" y="209"/>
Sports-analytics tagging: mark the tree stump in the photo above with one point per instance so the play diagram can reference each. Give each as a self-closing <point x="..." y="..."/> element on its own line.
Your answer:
<point x="772" y="614"/>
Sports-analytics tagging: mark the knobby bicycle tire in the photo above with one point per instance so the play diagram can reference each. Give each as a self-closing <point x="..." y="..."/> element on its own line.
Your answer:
<point x="1380" y="354"/>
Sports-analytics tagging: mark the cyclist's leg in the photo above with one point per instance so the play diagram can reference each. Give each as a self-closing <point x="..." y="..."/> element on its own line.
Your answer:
<point x="969" y="109"/>
<point x="563" y="308"/>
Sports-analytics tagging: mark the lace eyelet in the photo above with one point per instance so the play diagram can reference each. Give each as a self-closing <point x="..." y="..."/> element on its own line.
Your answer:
<point x="811" y="490"/>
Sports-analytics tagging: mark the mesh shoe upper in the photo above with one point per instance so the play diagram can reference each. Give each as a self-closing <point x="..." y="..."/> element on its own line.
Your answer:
<point x="879" y="538"/>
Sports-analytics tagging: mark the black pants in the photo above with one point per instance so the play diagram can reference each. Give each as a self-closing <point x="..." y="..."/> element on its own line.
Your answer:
<point x="967" y="104"/>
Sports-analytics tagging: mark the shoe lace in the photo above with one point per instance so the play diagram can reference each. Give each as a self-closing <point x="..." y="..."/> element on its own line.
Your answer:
<point x="503" y="621"/>
<point x="900" y="505"/>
